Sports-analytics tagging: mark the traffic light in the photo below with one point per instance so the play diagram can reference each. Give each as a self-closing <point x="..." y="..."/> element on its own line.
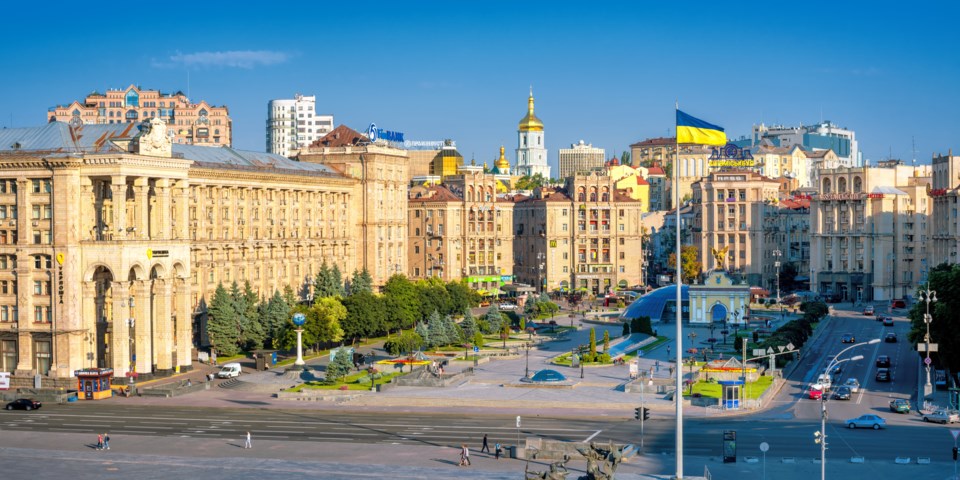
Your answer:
<point x="637" y="412"/>
<point x="954" y="454"/>
<point x="646" y="413"/>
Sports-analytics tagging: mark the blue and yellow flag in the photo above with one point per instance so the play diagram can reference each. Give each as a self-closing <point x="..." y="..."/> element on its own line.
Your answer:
<point x="696" y="131"/>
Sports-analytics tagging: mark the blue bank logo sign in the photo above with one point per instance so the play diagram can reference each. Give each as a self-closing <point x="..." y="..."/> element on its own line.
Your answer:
<point x="375" y="133"/>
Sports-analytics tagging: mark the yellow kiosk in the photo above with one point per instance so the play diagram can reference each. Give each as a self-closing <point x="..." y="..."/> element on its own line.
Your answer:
<point x="94" y="383"/>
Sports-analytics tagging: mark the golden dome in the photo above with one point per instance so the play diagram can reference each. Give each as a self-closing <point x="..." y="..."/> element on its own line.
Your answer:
<point x="530" y="121"/>
<point x="502" y="164"/>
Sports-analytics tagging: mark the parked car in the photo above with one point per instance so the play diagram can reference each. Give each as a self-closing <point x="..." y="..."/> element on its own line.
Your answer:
<point x="887" y="321"/>
<point x="942" y="416"/>
<point x="898" y="303"/>
<point x="890" y="338"/>
<point x="868" y="310"/>
<point x="848" y="338"/>
<point x="507" y="306"/>
<point x="842" y="393"/>
<point x="23" y="404"/>
<point x="867" y="421"/>
<point x="229" y="370"/>
<point x="900" y="405"/>
<point x="883" y="375"/>
<point x="853" y="384"/>
<point x="883" y="361"/>
<point x="815" y="393"/>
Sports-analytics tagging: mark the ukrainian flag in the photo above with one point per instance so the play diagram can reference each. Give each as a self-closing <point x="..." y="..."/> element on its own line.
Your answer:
<point x="696" y="131"/>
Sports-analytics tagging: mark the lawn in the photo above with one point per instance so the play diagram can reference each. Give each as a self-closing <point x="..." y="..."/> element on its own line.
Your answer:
<point x="713" y="390"/>
<point x="356" y="381"/>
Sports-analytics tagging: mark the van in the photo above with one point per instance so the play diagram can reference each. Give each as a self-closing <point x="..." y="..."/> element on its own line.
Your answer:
<point x="229" y="370"/>
<point x="825" y="380"/>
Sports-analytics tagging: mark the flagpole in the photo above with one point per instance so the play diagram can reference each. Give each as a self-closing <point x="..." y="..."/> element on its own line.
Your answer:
<point x="678" y="395"/>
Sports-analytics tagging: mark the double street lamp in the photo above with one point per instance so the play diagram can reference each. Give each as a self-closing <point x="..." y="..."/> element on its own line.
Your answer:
<point x="777" y="254"/>
<point x="928" y="296"/>
<point x="821" y="436"/>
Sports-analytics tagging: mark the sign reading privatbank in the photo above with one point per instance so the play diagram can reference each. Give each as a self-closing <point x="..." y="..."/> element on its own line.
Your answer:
<point x="730" y="155"/>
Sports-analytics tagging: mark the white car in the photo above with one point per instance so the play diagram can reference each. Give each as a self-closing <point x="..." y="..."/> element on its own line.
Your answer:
<point x="825" y="381"/>
<point x="507" y="306"/>
<point x="229" y="370"/>
<point x="853" y="384"/>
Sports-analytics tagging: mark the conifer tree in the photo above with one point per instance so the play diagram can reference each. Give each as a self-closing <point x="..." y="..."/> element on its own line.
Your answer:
<point x="222" y="323"/>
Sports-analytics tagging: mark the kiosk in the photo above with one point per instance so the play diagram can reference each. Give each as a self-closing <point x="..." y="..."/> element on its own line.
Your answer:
<point x="94" y="383"/>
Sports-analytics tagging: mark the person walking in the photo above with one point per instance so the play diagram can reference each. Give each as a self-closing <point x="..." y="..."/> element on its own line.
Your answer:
<point x="106" y="440"/>
<point x="496" y="451"/>
<point x="249" y="442"/>
<point x="99" y="441"/>
<point x="486" y="446"/>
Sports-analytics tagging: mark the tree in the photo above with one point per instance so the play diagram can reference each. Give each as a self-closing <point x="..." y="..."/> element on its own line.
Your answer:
<point x="406" y="342"/>
<point x="362" y="282"/>
<point x="254" y="331"/>
<point x="433" y="297"/>
<point x="689" y="263"/>
<point x="289" y="296"/>
<point x="468" y="325"/>
<point x="593" y="342"/>
<point x="336" y="281"/>
<point x="641" y="324"/>
<point x="402" y="303"/>
<point x="478" y="339"/>
<point x="494" y="319"/>
<point x="222" y="328"/>
<point x="944" y="280"/>
<point x="528" y="182"/>
<point x="436" y="332"/>
<point x="424" y="333"/>
<point x="339" y="366"/>
<point x="365" y="316"/>
<point x="606" y="341"/>
<point x="325" y="319"/>
<point x="462" y="297"/>
<point x="451" y="330"/>
<point x="274" y="316"/>
<point x="625" y="158"/>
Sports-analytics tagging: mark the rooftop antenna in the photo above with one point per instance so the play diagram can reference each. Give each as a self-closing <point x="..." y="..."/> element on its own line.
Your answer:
<point x="913" y="141"/>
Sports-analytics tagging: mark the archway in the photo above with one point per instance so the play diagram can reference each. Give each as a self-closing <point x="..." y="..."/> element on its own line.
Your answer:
<point x="718" y="314"/>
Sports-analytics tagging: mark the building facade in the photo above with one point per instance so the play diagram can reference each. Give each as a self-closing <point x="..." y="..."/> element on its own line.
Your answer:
<point x="824" y="135"/>
<point x="462" y="230"/>
<point x="580" y="157"/>
<point x="869" y="232"/>
<point x="293" y="124"/>
<point x="586" y="236"/>
<point x="944" y="194"/>
<point x="531" y="147"/>
<point x="116" y="239"/>
<point x="188" y="122"/>
<point x="728" y="221"/>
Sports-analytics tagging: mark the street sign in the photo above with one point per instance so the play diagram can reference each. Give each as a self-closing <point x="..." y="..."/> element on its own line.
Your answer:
<point x="955" y="433"/>
<point x="518" y="421"/>
<point x="764" y="446"/>
<point x="790" y="346"/>
<point x="759" y="352"/>
<point x="922" y="347"/>
<point x="769" y="350"/>
<point x="476" y="349"/>
<point x="927" y="361"/>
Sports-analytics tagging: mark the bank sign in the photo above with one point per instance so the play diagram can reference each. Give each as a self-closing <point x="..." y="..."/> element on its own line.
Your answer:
<point x="375" y="133"/>
<point x="730" y="155"/>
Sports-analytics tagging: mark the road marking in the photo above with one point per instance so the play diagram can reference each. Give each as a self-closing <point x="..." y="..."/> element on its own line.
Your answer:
<point x="591" y="436"/>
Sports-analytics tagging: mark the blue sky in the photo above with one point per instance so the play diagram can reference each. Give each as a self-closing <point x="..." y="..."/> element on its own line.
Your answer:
<point x="607" y="73"/>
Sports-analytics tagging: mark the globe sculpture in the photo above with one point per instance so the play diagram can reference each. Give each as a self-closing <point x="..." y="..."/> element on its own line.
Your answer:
<point x="299" y="319"/>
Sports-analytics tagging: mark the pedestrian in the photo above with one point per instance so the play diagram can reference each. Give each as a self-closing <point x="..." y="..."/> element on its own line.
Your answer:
<point x="486" y="446"/>
<point x="463" y="455"/>
<point x="106" y="440"/>
<point x="99" y="441"/>
<point x="496" y="451"/>
<point x="668" y="350"/>
<point x="466" y="455"/>
<point x="249" y="442"/>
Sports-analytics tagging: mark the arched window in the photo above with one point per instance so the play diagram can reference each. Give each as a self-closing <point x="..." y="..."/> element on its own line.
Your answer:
<point x="857" y="184"/>
<point x="826" y="185"/>
<point x="132" y="115"/>
<point x="841" y="185"/>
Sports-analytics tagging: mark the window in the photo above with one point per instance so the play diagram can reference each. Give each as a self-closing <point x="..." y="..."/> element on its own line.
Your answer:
<point x="41" y="356"/>
<point x="8" y="355"/>
<point x="41" y="314"/>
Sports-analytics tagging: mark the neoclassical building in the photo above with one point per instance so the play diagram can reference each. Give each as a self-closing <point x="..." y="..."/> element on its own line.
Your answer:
<point x="113" y="239"/>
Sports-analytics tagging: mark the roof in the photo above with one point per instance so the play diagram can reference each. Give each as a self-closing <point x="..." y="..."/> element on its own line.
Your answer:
<point x="655" y="171"/>
<point x="226" y="157"/>
<point x="655" y="142"/>
<point x="342" y="136"/>
<point x="653" y="303"/>
<point x="435" y="193"/>
<point x="888" y="191"/>
<point x="816" y="153"/>
<point x="641" y="180"/>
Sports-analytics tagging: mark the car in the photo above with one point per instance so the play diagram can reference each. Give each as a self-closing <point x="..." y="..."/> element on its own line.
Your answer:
<point x="837" y="370"/>
<point x="942" y="416"/>
<point x="842" y="393"/>
<point x="890" y="338"/>
<point x="853" y="384"/>
<point x="507" y="306"/>
<point x="898" y="303"/>
<point x="900" y="405"/>
<point x="815" y="393"/>
<point x="866" y="421"/>
<point x="883" y="361"/>
<point x="23" y="404"/>
<point x="825" y="381"/>
<point x="848" y="338"/>
<point x="229" y="370"/>
<point x="868" y="310"/>
<point x="887" y="321"/>
<point x="883" y="375"/>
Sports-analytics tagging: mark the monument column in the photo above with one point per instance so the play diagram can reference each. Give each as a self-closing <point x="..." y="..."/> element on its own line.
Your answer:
<point x="143" y="327"/>
<point x="162" y="328"/>
<point x="120" y="336"/>
<point x="89" y="320"/>
<point x="184" y="324"/>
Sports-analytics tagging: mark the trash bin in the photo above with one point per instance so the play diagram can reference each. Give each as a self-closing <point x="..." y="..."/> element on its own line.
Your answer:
<point x="511" y="451"/>
<point x="261" y="363"/>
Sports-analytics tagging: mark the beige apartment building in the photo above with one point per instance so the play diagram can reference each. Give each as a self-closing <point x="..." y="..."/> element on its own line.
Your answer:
<point x="944" y="193"/>
<point x="380" y="199"/>
<point x="580" y="157"/>
<point x="187" y="122"/>
<point x="113" y="240"/>
<point x="786" y="233"/>
<point x="870" y="231"/>
<point x="585" y="236"/>
<point x="462" y="230"/>
<point x="729" y="211"/>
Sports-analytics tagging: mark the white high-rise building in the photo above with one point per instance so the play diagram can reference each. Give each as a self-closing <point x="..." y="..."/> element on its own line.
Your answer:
<point x="531" y="150"/>
<point x="293" y="124"/>
<point x="580" y="157"/>
<point x="822" y="136"/>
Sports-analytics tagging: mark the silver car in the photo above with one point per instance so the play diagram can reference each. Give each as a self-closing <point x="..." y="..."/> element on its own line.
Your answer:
<point x="853" y="384"/>
<point x="867" y="421"/>
<point x="942" y="416"/>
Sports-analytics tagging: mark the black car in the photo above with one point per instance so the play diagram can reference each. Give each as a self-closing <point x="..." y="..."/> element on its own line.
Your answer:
<point x="842" y="393"/>
<point x="883" y="361"/>
<point x="883" y="375"/>
<point x="23" y="404"/>
<point x="848" y="338"/>
<point x="890" y="338"/>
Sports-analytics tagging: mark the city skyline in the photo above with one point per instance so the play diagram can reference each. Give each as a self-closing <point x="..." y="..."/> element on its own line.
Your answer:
<point x="609" y="76"/>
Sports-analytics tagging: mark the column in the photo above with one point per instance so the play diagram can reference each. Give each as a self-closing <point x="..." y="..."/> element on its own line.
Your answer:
<point x="162" y="325"/>
<point x="120" y="338"/>
<point x="184" y="329"/>
<point x="88" y="220"/>
<point x="89" y="320"/>
<point x="118" y="189"/>
<point x="142" y="338"/>
<point x="162" y="214"/>
<point x="25" y="308"/>
<point x="181" y="214"/>
<point x="141" y="206"/>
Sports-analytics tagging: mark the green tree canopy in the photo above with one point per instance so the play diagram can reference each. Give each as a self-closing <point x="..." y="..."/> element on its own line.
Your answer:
<point x="366" y="316"/>
<point x="689" y="262"/>
<point x="362" y="282"/>
<point x="402" y="302"/>
<point x="222" y="327"/>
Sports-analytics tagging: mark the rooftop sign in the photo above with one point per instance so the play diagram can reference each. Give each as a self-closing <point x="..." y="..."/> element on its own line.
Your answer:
<point x="730" y="155"/>
<point x="375" y="133"/>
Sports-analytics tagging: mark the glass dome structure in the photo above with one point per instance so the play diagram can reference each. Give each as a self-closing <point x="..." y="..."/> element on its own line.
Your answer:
<point x="659" y="305"/>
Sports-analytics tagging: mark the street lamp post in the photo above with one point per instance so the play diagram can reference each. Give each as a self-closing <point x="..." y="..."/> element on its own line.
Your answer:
<point x="777" y="254"/>
<point x="693" y="338"/>
<point x="927" y="296"/>
<point x="527" y="371"/>
<point x="821" y="436"/>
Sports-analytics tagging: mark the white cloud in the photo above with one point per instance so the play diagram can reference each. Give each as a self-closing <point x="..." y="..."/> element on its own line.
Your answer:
<point x="232" y="58"/>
